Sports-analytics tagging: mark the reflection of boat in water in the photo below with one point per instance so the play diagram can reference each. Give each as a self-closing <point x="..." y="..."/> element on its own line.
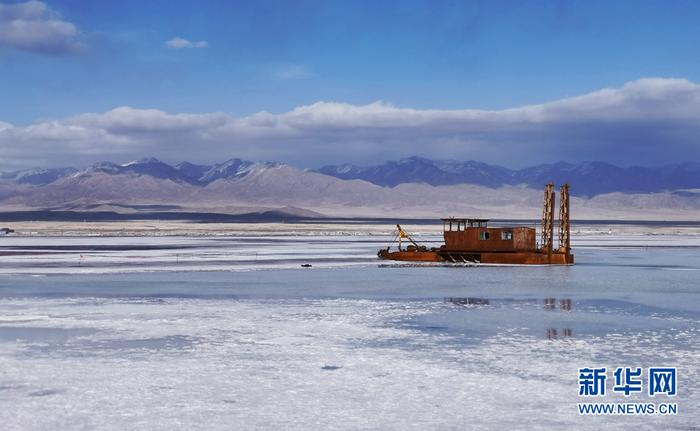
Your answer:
<point x="473" y="241"/>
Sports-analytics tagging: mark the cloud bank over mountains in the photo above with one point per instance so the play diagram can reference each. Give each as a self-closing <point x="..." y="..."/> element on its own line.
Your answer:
<point x="646" y="122"/>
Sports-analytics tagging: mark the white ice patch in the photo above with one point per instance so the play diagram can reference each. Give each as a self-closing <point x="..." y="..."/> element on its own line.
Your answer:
<point x="177" y="363"/>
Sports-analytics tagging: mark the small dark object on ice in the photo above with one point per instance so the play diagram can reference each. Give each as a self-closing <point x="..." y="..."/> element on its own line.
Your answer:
<point x="330" y="367"/>
<point x="306" y="265"/>
<point x="468" y="301"/>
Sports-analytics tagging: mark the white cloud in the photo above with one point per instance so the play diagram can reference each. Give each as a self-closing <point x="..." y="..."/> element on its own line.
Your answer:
<point x="32" y="26"/>
<point x="180" y="43"/>
<point x="126" y="120"/>
<point x="647" y="122"/>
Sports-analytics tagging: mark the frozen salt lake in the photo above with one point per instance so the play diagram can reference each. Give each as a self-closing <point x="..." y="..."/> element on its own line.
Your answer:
<point x="230" y="333"/>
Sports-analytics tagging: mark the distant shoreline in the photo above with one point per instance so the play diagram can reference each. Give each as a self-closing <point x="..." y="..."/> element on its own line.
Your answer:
<point x="280" y="217"/>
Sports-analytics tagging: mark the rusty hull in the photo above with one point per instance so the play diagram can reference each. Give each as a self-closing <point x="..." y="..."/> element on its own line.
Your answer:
<point x="496" y="258"/>
<point x="528" y="258"/>
<point x="410" y="256"/>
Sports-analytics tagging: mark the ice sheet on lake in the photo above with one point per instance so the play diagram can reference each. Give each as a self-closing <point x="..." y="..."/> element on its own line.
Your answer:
<point x="367" y="347"/>
<point x="301" y="364"/>
<point x="95" y="255"/>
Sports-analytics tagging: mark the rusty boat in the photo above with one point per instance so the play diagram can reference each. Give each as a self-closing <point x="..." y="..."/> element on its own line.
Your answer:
<point x="472" y="241"/>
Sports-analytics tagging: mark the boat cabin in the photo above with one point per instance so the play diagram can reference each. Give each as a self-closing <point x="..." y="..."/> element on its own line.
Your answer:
<point x="472" y="234"/>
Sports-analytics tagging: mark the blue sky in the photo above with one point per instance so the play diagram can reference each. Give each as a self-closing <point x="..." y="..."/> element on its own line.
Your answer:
<point x="275" y="56"/>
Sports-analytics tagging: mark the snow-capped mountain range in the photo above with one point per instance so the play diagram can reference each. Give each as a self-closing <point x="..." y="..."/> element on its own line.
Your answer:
<point x="185" y="171"/>
<point x="589" y="178"/>
<point x="413" y="187"/>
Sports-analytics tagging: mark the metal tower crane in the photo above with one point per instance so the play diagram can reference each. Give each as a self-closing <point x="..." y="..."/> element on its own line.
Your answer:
<point x="548" y="219"/>
<point x="564" y="222"/>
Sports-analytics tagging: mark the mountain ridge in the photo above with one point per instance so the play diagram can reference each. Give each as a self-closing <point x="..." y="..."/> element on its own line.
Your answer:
<point x="245" y="187"/>
<point x="591" y="178"/>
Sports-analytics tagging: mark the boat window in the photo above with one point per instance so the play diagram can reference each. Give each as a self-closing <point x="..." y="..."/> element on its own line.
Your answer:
<point x="483" y="235"/>
<point x="506" y="235"/>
